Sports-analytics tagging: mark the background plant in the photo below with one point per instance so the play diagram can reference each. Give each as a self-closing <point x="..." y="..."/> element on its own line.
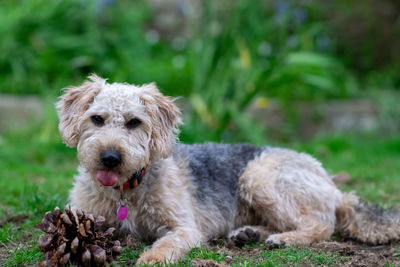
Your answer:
<point x="231" y="55"/>
<point x="279" y="57"/>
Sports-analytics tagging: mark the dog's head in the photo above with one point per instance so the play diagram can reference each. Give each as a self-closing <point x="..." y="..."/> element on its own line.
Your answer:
<point x="117" y="128"/>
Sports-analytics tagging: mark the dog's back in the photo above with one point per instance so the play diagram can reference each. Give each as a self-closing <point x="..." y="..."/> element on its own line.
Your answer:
<point x="215" y="169"/>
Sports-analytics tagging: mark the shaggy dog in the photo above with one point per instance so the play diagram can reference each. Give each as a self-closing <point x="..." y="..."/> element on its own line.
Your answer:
<point x="178" y="196"/>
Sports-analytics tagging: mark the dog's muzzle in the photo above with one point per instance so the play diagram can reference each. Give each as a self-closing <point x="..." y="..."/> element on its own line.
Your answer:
<point x="109" y="159"/>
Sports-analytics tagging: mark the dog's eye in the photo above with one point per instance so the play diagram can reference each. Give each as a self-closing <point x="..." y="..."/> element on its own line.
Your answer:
<point x="97" y="120"/>
<point x="133" y="123"/>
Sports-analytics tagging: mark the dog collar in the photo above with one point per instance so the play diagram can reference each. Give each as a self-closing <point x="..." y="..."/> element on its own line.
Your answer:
<point x="134" y="180"/>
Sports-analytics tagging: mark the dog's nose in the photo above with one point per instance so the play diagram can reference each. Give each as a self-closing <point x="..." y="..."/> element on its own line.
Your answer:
<point x="110" y="158"/>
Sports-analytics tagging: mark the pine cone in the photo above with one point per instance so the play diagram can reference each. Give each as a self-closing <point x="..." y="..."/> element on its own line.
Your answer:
<point x="76" y="239"/>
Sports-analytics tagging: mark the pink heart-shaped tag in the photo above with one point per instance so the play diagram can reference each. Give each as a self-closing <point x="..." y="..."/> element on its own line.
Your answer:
<point x="122" y="212"/>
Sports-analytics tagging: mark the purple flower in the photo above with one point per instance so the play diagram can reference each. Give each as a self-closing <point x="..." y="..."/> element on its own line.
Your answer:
<point x="102" y="4"/>
<point x="293" y="41"/>
<point x="300" y="15"/>
<point x="282" y="7"/>
<point x="323" y="42"/>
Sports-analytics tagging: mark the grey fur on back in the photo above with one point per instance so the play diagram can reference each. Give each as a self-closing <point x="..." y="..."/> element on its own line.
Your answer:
<point x="215" y="170"/>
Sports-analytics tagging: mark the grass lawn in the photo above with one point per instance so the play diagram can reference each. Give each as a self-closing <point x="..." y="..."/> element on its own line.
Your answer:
<point x="35" y="176"/>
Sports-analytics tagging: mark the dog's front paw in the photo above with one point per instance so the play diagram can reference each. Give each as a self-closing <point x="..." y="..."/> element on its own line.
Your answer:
<point x="152" y="257"/>
<point x="243" y="237"/>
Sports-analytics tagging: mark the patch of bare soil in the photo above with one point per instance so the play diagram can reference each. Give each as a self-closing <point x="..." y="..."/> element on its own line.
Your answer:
<point x="16" y="219"/>
<point x="361" y="254"/>
<point x="6" y="248"/>
<point x="207" y="263"/>
<point x="5" y="252"/>
<point x="350" y="253"/>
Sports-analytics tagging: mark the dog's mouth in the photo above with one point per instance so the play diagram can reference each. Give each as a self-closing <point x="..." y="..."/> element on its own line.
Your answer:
<point x="107" y="177"/>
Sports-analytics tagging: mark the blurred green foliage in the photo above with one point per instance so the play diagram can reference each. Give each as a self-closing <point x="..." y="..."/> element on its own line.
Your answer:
<point x="47" y="45"/>
<point x="242" y="51"/>
<point x="234" y="52"/>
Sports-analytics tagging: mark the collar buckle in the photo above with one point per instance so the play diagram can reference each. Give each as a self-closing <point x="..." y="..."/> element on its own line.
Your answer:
<point x="134" y="180"/>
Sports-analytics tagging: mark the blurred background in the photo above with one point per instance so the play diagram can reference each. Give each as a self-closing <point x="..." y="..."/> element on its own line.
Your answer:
<point x="321" y="77"/>
<point x="248" y="71"/>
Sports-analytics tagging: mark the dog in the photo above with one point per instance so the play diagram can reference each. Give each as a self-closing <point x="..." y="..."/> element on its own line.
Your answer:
<point x="134" y="172"/>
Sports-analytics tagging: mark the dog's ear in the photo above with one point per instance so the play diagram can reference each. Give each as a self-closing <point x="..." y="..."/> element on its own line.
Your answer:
<point x="73" y="104"/>
<point x="165" y="118"/>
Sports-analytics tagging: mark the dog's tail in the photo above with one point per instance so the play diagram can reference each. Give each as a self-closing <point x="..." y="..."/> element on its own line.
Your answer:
<point x="357" y="219"/>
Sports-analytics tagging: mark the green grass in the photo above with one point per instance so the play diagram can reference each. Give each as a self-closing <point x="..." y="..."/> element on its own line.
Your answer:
<point x="24" y="255"/>
<point x="7" y="232"/>
<point x="36" y="176"/>
<point x="206" y="253"/>
<point x="261" y="256"/>
<point x="129" y="256"/>
<point x="296" y="257"/>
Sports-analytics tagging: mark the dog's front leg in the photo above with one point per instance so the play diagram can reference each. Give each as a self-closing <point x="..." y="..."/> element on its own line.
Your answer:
<point x="171" y="247"/>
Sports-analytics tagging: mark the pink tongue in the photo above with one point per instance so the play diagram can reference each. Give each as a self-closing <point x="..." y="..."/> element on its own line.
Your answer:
<point x="107" y="178"/>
